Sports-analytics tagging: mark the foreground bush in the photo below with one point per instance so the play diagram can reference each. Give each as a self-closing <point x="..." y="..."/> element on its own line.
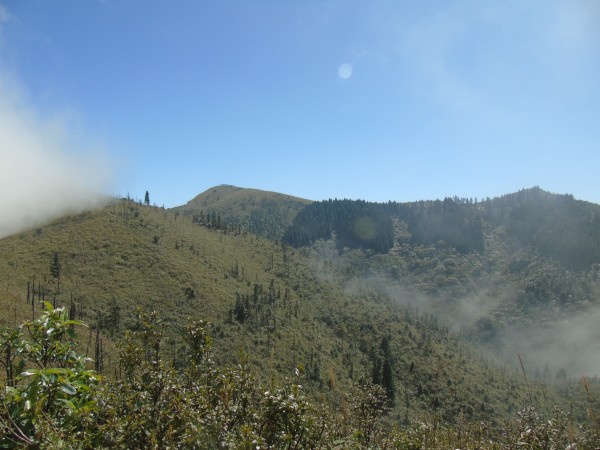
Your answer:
<point x="50" y="399"/>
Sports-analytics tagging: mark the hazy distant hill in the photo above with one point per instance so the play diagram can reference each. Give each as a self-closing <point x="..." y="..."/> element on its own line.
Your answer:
<point x="558" y="226"/>
<point x="261" y="212"/>
<point x="542" y="248"/>
<point x="514" y="272"/>
<point x="519" y="274"/>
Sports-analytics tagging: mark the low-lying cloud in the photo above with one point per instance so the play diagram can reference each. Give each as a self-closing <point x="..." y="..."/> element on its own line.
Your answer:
<point x="46" y="168"/>
<point x="569" y="345"/>
<point x="549" y="341"/>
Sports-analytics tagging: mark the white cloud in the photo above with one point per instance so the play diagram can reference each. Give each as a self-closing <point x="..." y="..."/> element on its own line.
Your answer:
<point x="469" y="55"/>
<point x="47" y="167"/>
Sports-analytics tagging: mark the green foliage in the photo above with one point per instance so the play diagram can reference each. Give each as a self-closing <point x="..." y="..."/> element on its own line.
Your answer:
<point x="208" y="407"/>
<point x="285" y="308"/>
<point x="383" y="370"/>
<point x="55" y="266"/>
<point x="357" y="224"/>
<point x="52" y="379"/>
<point x="153" y="406"/>
<point x="354" y="223"/>
<point x="454" y="223"/>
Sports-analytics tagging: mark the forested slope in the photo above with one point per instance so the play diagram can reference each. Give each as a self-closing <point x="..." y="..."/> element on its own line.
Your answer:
<point x="260" y="296"/>
<point x="340" y="312"/>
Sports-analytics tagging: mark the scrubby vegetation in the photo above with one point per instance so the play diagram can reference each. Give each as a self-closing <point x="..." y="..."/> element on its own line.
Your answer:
<point x="377" y="347"/>
<point x="52" y="400"/>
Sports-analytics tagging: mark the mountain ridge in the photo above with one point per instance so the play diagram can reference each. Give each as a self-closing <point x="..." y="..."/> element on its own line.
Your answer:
<point x="336" y="311"/>
<point x="544" y="248"/>
<point x="264" y="297"/>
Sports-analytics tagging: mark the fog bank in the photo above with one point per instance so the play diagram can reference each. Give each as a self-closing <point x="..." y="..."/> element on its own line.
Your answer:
<point x="47" y="166"/>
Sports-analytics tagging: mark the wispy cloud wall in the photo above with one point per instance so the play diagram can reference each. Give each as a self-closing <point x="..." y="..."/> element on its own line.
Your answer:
<point x="48" y="166"/>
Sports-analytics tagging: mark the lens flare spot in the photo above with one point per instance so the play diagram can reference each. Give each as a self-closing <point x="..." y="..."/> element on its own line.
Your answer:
<point x="345" y="71"/>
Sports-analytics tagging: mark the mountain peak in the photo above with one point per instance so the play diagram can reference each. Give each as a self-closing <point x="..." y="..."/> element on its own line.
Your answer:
<point x="263" y="212"/>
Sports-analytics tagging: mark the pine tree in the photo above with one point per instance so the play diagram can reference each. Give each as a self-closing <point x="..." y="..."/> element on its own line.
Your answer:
<point x="387" y="373"/>
<point x="55" y="269"/>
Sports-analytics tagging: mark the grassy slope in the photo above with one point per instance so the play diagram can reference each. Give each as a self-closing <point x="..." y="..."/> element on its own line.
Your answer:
<point x="135" y="256"/>
<point x="265" y="213"/>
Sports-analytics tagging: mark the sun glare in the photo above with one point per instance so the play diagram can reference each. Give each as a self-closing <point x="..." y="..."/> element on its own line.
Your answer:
<point x="345" y="71"/>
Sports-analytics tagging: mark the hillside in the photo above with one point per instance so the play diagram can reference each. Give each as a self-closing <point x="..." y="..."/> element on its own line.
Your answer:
<point x="271" y="300"/>
<point x="557" y="226"/>
<point x="260" y="212"/>
<point x="517" y="274"/>
<point x="463" y="316"/>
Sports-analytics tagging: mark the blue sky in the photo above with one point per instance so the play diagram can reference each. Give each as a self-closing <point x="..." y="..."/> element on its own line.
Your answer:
<point x="377" y="100"/>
